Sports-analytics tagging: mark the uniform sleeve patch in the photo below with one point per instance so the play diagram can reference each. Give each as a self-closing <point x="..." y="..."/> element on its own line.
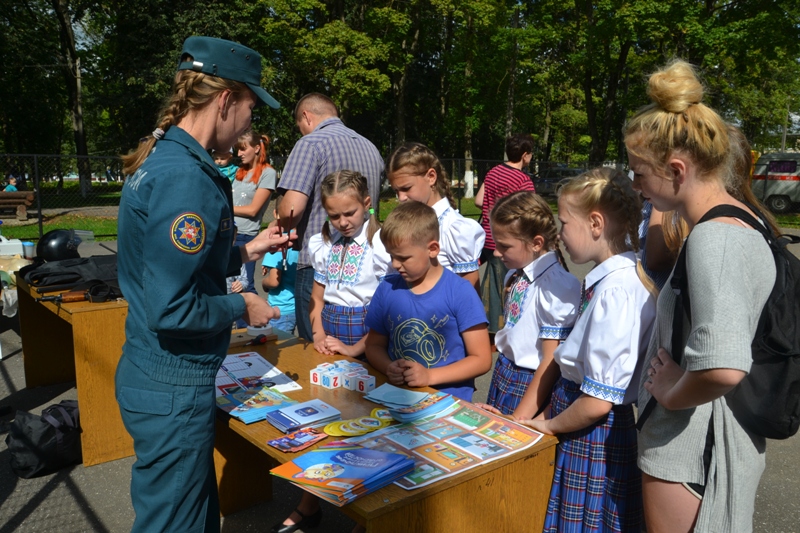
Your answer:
<point x="225" y="225"/>
<point x="188" y="233"/>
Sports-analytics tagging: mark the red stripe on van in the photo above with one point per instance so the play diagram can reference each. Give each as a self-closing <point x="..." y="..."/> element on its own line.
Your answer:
<point x="776" y="177"/>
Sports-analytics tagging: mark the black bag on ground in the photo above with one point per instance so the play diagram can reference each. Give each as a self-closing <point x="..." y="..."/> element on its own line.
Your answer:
<point x="41" y="445"/>
<point x="767" y="401"/>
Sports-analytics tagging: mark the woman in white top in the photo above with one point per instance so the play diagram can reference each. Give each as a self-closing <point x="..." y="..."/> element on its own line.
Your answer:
<point x="597" y="485"/>
<point x="415" y="173"/>
<point x="349" y="263"/>
<point x="540" y="305"/>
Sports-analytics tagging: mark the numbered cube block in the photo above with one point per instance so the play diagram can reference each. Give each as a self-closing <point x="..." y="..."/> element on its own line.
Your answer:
<point x="316" y="376"/>
<point x="326" y="380"/>
<point x="325" y="366"/>
<point x="365" y="383"/>
<point x="349" y="380"/>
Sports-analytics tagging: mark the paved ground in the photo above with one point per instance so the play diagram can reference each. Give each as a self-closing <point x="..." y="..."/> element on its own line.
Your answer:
<point x="96" y="499"/>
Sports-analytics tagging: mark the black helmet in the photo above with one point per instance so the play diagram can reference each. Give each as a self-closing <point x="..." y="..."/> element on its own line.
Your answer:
<point x="58" y="244"/>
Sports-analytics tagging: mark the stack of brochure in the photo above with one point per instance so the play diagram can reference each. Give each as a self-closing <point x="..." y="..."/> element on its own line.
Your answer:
<point x="251" y="405"/>
<point x="311" y="413"/>
<point x="433" y="404"/>
<point x="395" y="397"/>
<point x="341" y="472"/>
<point x="408" y="406"/>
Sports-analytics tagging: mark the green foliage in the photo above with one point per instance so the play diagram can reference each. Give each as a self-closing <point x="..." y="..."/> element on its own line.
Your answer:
<point x="455" y="74"/>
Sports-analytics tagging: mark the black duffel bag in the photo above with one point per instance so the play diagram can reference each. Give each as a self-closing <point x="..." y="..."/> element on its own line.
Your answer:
<point x="41" y="445"/>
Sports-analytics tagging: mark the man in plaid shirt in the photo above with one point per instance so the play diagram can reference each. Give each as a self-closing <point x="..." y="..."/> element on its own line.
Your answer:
<point x="327" y="146"/>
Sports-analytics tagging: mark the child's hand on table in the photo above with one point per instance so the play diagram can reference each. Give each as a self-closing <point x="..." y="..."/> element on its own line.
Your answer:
<point x="490" y="408"/>
<point x="335" y="346"/>
<point x="394" y="372"/>
<point x="414" y="374"/>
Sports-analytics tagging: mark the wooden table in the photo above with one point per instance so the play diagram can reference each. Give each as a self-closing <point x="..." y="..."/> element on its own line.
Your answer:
<point x="509" y="494"/>
<point x="79" y="341"/>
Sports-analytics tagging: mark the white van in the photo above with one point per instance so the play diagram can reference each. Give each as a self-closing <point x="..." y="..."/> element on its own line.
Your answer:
<point x="776" y="180"/>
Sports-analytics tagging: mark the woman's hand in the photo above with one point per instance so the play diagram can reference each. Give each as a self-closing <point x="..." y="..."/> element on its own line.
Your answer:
<point x="662" y="375"/>
<point x="269" y="240"/>
<point x="257" y="311"/>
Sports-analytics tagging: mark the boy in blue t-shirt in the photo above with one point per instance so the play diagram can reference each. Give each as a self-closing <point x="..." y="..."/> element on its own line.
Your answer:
<point x="427" y="325"/>
<point x="12" y="185"/>
<point x="279" y="284"/>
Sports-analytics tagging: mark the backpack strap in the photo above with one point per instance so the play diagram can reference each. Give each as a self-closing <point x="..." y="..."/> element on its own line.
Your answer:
<point x="680" y="284"/>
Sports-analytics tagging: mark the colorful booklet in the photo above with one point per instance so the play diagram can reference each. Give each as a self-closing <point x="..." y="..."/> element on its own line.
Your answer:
<point x="251" y="405"/>
<point x="311" y="413"/>
<point x="342" y="472"/>
<point x="433" y="404"/>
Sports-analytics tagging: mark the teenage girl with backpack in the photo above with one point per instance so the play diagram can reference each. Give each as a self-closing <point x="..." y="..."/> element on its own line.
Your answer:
<point x="700" y="466"/>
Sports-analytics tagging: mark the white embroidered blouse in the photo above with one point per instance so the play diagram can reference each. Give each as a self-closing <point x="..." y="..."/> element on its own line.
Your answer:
<point x="605" y="351"/>
<point x="542" y="303"/>
<point x="350" y="269"/>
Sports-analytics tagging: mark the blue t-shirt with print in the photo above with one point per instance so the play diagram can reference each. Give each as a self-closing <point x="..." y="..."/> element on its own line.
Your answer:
<point x="427" y="328"/>
<point x="282" y="296"/>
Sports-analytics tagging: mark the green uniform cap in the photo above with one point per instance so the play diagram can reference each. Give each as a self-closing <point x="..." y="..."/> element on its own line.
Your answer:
<point x="226" y="59"/>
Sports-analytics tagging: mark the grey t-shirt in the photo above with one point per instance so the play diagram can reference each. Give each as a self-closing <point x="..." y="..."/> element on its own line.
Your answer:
<point x="731" y="273"/>
<point x="243" y="192"/>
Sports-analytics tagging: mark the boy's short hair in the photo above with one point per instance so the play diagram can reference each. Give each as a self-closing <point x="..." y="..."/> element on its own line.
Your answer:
<point x="518" y="145"/>
<point x="221" y="153"/>
<point x="412" y="222"/>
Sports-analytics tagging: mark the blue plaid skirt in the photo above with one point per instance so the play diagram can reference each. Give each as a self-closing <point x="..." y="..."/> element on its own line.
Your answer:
<point x="509" y="383"/>
<point x="345" y="323"/>
<point x="597" y="485"/>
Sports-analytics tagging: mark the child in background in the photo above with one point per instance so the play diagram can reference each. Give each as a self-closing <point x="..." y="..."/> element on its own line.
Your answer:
<point x="349" y="263"/>
<point x="541" y="305"/>
<point x="597" y="485"/>
<point x="12" y="185"/>
<point x="236" y="284"/>
<point x="224" y="160"/>
<point x="415" y="173"/>
<point x="426" y="328"/>
<point x="278" y="282"/>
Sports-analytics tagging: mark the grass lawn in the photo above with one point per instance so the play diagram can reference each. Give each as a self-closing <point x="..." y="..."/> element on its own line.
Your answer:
<point x="99" y="225"/>
<point x="105" y="228"/>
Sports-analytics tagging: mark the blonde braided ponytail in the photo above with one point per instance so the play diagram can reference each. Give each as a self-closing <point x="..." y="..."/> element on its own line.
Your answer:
<point x="190" y="90"/>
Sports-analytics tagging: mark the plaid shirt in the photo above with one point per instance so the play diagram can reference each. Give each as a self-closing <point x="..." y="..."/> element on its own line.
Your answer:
<point x="330" y="147"/>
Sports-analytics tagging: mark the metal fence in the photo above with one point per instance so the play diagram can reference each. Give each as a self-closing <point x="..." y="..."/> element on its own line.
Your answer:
<point x="84" y="192"/>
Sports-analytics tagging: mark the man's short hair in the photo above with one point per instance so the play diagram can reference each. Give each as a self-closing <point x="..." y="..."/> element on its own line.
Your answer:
<point x="316" y="103"/>
<point x="518" y="145"/>
<point x="412" y="222"/>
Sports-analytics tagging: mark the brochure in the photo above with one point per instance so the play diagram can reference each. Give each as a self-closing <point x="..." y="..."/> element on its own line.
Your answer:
<point x="341" y="472"/>
<point x="454" y="440"/>
<point x="251" y="405"/>
<point x="311" y="413"/>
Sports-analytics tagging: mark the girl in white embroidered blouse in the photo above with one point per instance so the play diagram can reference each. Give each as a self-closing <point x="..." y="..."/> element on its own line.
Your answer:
<point x="540" y="306"/>
<point x="349" y="262"/>
<point x="600" y="362"/>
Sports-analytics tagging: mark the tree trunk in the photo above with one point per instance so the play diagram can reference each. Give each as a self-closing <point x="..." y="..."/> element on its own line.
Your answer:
<point x="402" y="84"/>
<point x="512" y="77"/>
<point x="72" y="77"/>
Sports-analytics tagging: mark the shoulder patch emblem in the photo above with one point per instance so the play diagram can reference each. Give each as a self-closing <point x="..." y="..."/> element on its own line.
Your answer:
<point x="188" y="233"/>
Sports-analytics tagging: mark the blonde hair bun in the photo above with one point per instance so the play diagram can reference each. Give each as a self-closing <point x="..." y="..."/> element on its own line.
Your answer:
<point x="675" y="87"/>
